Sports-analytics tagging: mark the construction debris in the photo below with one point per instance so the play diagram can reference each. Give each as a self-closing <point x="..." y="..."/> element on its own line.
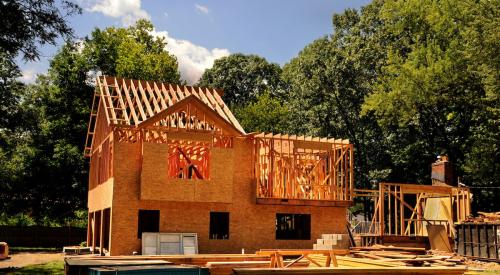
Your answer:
<point x="362" y="260"/>
<point x="407" y="256"/>
<point x="492" y="218"/>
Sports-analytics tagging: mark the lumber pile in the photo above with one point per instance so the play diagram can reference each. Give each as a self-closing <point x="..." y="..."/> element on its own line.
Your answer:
<point x="484" y="217"/>
<point x="226" y="268"/>
<point x="408" y="256"/>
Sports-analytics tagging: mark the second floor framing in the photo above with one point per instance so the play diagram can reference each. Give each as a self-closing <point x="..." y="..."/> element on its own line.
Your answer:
<point x="188" y="134"/>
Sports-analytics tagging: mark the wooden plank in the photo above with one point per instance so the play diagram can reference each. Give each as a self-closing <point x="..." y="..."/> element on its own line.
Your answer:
<point x="438" y="238"/>
<point x="128" y="100"/>
<point x="106" y="96"/>
<point x="228" y="113"/>
<point x="138" y="101"/>
<point x="312" y="202"/>
<point x="145" y="99"/>
<point x="159" y="95"/>
<point x="298" y="252"/>
<point x="354" y="270"/>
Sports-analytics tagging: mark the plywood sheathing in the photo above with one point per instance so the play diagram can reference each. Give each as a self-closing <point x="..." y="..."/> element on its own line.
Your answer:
<point x="252" y="226"/>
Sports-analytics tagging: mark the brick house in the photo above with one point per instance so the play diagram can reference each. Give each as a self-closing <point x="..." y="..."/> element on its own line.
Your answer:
<point x="170" y="158"/>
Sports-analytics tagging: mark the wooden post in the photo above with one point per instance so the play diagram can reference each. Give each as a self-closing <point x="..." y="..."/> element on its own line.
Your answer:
<point x="351" y="170"/>
<point x="381" y="209"/>
<point x="389" y="216"/>
<point x="93" y="232"/>
<point x="401" y="210"/>
<point x="89" y="229"/>
<point x="101" y="242"/>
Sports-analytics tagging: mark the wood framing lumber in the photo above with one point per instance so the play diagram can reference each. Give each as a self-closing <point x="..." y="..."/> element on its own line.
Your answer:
<point x="353" y="271"/>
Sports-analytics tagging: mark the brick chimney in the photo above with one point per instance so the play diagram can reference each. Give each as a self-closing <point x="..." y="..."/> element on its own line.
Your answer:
<point x="442" y="172"/>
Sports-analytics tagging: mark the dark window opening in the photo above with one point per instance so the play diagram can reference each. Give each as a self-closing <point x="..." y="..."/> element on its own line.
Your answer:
<point x="149" y="221"/>
<point x="219" y="225"/>
<point x="293" y="227"/>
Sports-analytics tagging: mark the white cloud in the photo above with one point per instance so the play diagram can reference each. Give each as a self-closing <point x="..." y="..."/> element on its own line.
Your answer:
<point x="128" y="11"/>
<point x="202" y="9"/>
<point x="28" y="76"/>
<point x="193" y="59"/>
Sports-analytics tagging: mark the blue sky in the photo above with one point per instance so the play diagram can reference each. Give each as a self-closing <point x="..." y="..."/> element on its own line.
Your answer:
<point x="198" y="32"/>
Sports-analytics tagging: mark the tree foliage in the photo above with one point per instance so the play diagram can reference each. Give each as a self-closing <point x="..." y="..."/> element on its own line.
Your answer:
<point x="436" y="95"/>
<point x="47" y="174"/>
<point x="266" y="114"/>
<point x="131" y="53"/>
<point x="243" y="78"/>
<point x="24" y="24"/>
<point x="403" y="80"/>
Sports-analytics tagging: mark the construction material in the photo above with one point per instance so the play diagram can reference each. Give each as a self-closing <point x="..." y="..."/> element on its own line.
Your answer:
<point x="277" y="255"/>
<point x="77" y="250"/>
<point x="4" y="251"/>
<point x="377" y="260"/>
<point x="170" y="158"/>
<point x="490" y="218"/>
<point x="351" y="271"/>
<point x="332" y="241"/>
<point x="82" y="265"/>
<point x="407" y="256"/>
<point x="294" y="167"/>
<point x="226" y="268"/>
<point x="150" y="270"/>
<point x="198" y="259"/>
<point x="415" y="250"/>
<point x="438" y="237"/>
<point x="479" y="240"/>
<point x="437" y="205"/>
<point x="169" y="243"/>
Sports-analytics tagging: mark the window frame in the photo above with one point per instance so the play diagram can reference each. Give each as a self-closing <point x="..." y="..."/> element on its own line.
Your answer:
<point x="140" y="226"/>
<point x="215" y="225"/>
<point x="295" y="220"/>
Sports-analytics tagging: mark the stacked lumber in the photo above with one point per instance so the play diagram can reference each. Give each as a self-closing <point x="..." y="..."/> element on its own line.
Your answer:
<point x="378" y="247"/>
<point x="484" y="217"/>
<point x="408" y="256"/>
<point x="226" y="268"/>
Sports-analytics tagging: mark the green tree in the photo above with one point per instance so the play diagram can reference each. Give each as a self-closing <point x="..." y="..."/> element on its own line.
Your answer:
<point x="24" y="24"/>
<point x="48" y="172"/>
<point x="439" y="89"/>
<point x="266" y="114"/>
<point x="329" y="80"/>
<point x="243" y="78"/>
<point x="131" y="53"/>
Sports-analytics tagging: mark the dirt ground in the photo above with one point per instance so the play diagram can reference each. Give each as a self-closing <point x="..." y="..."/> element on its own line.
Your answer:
<point x="22" y="259"/>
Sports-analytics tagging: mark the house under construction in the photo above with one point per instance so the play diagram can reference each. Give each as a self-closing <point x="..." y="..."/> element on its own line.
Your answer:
<point x="174" y="159"/>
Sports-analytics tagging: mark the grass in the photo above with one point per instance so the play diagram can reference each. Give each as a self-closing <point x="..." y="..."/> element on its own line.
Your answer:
<point x="56" y="267"/>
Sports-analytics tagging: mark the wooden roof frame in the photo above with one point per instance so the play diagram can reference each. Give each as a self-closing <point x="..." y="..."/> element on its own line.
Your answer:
<point x="139" y="104"/>
<point x="309" y="139"/>
<point x="129" y="102"/>
<point x="196" y="101"/>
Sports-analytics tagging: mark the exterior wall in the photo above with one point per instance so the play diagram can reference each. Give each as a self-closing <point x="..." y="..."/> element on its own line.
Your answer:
<point x="156" y="185"/>
<point x="230" y="189"/>
<point x="101" y="196"/>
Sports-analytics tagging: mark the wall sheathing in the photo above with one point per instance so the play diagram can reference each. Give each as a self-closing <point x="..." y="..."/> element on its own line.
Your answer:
<point x="141" y="182"/>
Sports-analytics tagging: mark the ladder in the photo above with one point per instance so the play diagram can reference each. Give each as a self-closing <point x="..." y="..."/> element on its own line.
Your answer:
<point x="87" y="151"/>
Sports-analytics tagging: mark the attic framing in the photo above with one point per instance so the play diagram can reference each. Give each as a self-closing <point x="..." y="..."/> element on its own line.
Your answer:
<point x="132" y="105"/>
